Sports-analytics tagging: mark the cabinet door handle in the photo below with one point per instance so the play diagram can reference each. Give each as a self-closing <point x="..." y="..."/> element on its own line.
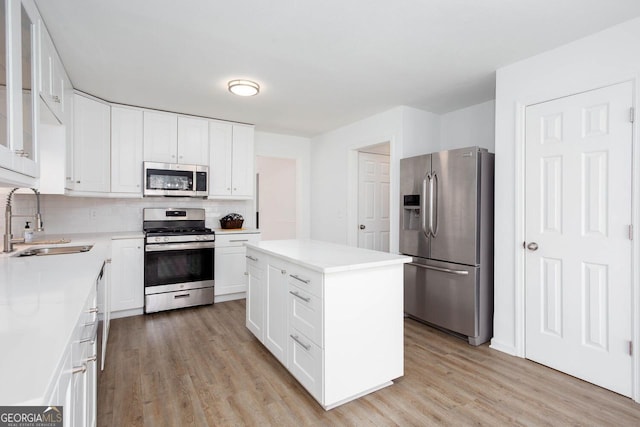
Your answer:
<point x="251" y="258"/>
<point x="296" y="339"/>
<point x="239" y="240"/>
<point x="295" y="294"/>
<point x="79" y="369"/>
<point x="300" y="279"/>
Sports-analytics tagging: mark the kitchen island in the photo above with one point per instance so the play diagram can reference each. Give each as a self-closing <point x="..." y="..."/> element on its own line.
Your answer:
<point x="331" y="314"/>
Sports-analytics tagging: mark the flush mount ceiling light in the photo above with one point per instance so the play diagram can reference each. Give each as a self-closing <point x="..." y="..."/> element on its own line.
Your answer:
<point x="244" y="87"/>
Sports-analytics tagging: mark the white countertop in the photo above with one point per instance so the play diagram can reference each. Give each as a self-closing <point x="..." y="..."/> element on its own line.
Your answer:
<point x="41" y="299"/>
<point x="327" y="257"/>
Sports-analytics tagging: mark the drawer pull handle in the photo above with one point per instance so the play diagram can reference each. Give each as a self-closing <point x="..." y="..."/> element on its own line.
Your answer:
<point x="296" y="339"/>
<point x="181" y="296"/>
<point x="252" y="258"/>
<point x="300" y="279"/>
<point x="92" y="310"/>
<point x="295" y="294"/>
<point x="79" y="369"/>
<point x="239" y="240"/>
<point x="92" y="358"/>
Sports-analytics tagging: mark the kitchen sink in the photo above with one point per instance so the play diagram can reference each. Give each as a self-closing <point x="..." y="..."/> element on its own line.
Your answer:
<point x="55" y="250"/>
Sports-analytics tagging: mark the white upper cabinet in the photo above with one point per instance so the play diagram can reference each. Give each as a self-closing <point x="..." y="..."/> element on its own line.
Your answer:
<point x="160" y="137"/>
<point x="221" y="142"/>
<point x="169" y="138"/>
<point x="52" y="81"/>
<point x="18" y="115"/>
<point x="231" y="173"/>
<point x="91" y="145"/>
<point x="126" y="149"/>
<point x="193" y="141"/>
<point x="242" y="173"/>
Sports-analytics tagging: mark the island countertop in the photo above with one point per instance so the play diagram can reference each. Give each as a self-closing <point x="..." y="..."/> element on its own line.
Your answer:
<point x="327" y="257"/>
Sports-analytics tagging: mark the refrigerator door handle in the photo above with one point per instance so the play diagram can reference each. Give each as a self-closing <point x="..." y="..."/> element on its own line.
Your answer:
<point x="444" y="270"/>
<point x="434" y="205"/>
<point x="423" y="209"/>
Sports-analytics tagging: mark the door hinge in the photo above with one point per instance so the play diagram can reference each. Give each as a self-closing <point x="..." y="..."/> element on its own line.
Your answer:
<point x="630" y="231"/>
<point x="630" y="348"/>
<point x="632" y="114"/>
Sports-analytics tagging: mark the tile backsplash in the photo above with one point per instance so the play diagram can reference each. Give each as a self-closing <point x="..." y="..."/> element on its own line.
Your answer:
<point x="63" y="214"/>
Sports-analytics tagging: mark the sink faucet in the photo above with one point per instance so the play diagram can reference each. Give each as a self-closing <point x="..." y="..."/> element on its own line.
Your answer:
<point x="8" y="237"/>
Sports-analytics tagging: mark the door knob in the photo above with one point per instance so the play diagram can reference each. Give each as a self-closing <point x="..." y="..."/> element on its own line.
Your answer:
<point x="362" y="227"/>
<point x="533" y="246"/>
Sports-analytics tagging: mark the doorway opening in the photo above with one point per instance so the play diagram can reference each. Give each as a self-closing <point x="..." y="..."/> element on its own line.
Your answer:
<point x="276" y="203"/>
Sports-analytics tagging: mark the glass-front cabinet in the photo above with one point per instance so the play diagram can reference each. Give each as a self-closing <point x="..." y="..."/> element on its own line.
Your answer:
<point x="18" y="115"/>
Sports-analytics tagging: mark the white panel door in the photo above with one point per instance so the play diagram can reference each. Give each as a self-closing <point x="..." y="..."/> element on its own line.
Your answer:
<point x="126" y="150"/>
<point x="373" y="201"/>
<point x="578" y="212"/>
<point x="160" y="137"/>
<point x="193" y="141"/>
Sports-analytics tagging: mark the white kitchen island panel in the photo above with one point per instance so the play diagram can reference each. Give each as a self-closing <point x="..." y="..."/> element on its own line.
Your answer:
<point x="344" y="320"/>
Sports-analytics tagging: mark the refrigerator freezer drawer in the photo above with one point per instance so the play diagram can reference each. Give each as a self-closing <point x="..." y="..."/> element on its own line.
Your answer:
<point x="443" y="294"/>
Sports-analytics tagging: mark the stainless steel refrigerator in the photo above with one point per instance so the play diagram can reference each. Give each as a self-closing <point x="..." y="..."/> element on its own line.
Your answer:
<point x="446" y="225"/>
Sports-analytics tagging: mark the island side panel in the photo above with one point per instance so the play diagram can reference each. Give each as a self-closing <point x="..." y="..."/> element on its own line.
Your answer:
<point x="364" y="323"/>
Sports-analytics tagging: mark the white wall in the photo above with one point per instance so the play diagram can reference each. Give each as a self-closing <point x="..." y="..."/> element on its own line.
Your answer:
<point x="334" y="168"/>
<point x="474" y="125"/>
<point x="605" y="58"/>
<point x="298" y="148"/>
<point x="63" y="214"/>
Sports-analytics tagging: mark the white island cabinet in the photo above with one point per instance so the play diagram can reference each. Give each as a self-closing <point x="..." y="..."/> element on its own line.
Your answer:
<point x="331" y="314"/>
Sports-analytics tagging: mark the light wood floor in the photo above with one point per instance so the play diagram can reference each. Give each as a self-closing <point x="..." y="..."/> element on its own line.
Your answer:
<point x="201" y="366"/>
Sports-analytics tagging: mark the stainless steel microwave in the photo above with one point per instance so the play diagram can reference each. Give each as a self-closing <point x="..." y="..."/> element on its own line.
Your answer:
<point x="174" y="179"/>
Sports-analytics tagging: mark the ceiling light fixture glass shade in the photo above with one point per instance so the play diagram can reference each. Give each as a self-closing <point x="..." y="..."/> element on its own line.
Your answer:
<point x="244" y="87"/>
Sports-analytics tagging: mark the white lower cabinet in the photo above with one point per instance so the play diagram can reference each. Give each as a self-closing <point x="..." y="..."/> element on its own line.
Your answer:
<point x="340" y="334"/>
<point x="255" y="303"/>
<point x="230" y="265"/>
<point x="76" y="388"/>
<point x="305" y="362"/>
<point x="127" y="276"/>
<point x="275" y="331"/>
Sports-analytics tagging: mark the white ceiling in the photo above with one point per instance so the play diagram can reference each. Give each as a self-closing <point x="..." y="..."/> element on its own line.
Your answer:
<point x="321" y="64"/>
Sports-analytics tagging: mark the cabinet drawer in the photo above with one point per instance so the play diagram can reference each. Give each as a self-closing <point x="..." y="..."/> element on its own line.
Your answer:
<point x="310" y="281"/>
<point x="256" y="261"/>
<point x="305" y="313"/>
<point x="305" y="362"/>
<point x="171" y="300"/>
<point x="236" y="239"/>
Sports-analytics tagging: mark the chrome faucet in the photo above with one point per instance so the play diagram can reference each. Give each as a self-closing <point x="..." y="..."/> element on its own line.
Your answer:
<point x="8" y="237"/>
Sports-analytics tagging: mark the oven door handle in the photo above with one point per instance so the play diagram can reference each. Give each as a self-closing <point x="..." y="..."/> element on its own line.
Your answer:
<point x="178" y="246"/>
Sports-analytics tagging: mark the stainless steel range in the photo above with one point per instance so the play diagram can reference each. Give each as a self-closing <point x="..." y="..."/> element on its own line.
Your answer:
<point x="179" y="256"/>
